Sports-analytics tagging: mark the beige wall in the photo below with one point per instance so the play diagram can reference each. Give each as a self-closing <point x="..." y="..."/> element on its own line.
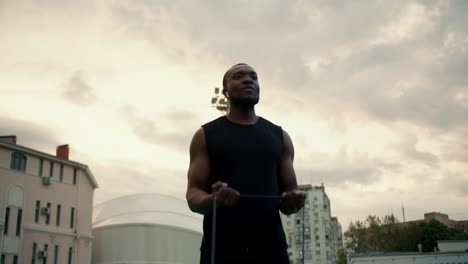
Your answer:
<point x="85" y="201"/>
<point x="68" y="195"/>
<point x="145" y="243"/>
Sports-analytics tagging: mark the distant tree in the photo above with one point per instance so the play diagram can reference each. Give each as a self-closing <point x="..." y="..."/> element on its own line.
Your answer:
<point x="342" y="257"/>
<point x="388" y="235"/>
<point x="431" y="232"/>
<point x="220" y="101"/>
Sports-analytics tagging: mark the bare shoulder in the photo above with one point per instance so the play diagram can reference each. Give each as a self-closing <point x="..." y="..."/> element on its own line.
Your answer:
<point x="288" y="145"/>
<point x="198" y="144"/>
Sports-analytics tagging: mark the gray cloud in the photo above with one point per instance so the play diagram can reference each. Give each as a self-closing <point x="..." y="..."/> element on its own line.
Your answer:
<point x="182" y="116"/>
<point x="125" y="179"/>
<point x="455" y="147"/>
<point x="281" y="39"/>
<point x="273" y="37"/>
<point x="78" y="91"/>
<point x="457" y="152"/>
<point x="456" y="182"/>
<point x="337" y="175"/>
<point x="407" y="148"/>
<point x="344" y="168"/>
<point x="149" y="131"/>
<point x="30" y="134"/>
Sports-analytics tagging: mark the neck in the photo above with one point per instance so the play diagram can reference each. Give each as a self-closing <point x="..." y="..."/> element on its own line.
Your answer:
<point x="245" y="116"/>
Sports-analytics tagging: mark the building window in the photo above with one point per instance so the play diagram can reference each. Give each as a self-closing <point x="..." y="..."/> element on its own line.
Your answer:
<point x="56" y="250"/>
<point x="57" y="220"/>
<point x="47" y="221"/>
<point x="15" y="259"/>
<point x="2" y="259"/>
<point x="70" y="252"/>
<point x="41" y="166"/>
<point x="18" y="222"/>
<point x="36" y="213"/>
<point x="7" y="218"/>
<point x="72" y="217"/>
<point x="51" y="169"/>
<point x="18" y="161"/>
<point x="33" y="256"/>
<point x="61" y="172"/>
<point x="44" y="259"/>
<point x="74" y="175"/>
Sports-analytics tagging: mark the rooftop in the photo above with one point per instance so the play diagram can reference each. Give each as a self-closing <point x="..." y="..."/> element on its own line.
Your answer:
<point x="150" y="208"/>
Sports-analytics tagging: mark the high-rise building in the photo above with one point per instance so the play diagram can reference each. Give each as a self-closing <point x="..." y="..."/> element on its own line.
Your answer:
<point x="311" y="233"/>
<point x="46" y="206"/>
<point x="336" y="238"/>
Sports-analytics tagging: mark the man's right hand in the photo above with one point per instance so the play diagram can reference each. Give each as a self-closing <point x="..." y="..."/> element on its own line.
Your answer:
<point x="225" y="196"/>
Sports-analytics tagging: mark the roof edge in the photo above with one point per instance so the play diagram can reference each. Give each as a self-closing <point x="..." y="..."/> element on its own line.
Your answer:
<point x="147" y="224"/>
<point x="37" y="153"/>
<point x="139" y="194"/>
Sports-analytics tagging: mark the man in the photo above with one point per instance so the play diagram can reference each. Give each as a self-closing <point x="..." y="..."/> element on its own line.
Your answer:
<point x="247" y="163"/>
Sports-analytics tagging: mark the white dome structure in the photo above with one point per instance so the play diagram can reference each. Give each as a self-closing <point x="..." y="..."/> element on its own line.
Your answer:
<point x="146" y="228"/>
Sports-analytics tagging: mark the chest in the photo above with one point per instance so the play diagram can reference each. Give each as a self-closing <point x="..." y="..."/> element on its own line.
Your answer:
<point x="248" y="144"/>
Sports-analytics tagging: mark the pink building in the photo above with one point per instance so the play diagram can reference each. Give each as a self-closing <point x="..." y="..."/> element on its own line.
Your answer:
<point x="46" y="206"/>
<point x="444" y="219"/>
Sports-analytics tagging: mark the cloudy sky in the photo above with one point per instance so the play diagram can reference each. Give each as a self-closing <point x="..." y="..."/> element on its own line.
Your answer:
<point x="373" y="93"/>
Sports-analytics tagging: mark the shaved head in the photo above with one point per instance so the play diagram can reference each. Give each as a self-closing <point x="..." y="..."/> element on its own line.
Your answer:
<point x="225" y="75"/>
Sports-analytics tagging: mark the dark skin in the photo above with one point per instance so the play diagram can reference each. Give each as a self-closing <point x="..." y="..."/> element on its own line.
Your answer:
<point x="241" y="82"/>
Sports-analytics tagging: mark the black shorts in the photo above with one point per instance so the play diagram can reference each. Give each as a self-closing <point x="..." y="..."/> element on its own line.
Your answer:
<point x="238" y="256"/>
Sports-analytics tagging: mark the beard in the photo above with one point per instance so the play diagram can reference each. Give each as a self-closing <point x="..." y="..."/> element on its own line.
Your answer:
<point x="244" y="102"/>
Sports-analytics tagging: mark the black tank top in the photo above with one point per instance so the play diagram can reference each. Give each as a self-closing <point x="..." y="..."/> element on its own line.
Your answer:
<point x="246" y="157"/>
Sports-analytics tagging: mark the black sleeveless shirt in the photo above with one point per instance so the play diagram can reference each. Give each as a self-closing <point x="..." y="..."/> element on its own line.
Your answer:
<point x="246" y="157"/>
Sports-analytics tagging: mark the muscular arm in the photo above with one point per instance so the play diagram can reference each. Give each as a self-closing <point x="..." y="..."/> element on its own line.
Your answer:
<point x="287" y="176"/>
<point x="198" y="186"/>
<point x="291" y="198"/>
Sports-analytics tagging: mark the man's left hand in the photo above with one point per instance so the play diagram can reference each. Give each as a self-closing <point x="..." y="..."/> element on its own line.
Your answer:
<point x="292" y="202"/>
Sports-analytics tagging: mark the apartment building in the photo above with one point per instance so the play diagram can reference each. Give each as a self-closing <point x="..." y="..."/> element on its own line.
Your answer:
<point x="46" y="206"/>
<point x="336" y="238"/>
<point x="311" y="233"/>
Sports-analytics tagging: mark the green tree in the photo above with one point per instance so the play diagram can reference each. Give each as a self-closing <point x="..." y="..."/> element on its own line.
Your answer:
<point x="388" y="235"/>
<point x="431" y="232"/>
<point x="342" y="257"/>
